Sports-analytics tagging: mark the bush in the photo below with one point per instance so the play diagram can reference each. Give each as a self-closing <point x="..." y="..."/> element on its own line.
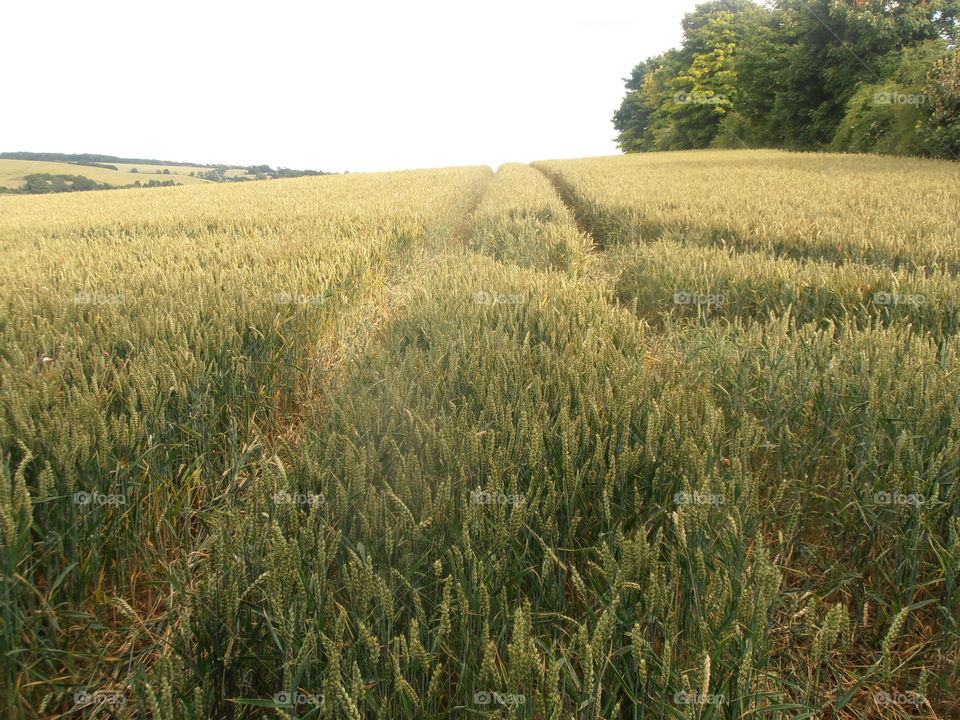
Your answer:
<point x="910" y="113"/>
<point x="941" y="135"/>
<point x="42" y="183"/>
<point x="882" y="118"/>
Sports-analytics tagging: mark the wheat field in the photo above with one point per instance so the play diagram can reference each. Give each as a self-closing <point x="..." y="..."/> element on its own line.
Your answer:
<point x="655" y="436"/>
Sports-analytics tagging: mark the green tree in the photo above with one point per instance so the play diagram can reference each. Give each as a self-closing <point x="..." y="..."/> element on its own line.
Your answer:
<point x="707" y="89"/>
<point x="895" y="114"/>
<point x="632" y="119"/>
<point x="811" y="56"/>
<point x="942" y="134"/>
<point x="677" y="100"/>
<point x="799" y="74"/>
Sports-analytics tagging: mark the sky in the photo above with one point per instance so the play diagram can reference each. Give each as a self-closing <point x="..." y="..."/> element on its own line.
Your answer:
<point x="356" y="85"/>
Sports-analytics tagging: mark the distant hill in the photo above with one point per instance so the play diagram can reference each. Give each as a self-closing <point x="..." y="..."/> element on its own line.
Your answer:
<point x="38" y="172"/>
<point x="87" y="158"/>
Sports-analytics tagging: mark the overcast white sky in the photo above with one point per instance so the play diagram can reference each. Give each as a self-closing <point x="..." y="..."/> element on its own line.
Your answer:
<point x="328" y="86"/>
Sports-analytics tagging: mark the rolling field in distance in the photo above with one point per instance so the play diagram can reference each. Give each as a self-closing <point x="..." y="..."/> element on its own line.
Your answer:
<point x="13" y="173"/>
<point x="663" y="435"/>
<point x="152" y="169"/>
<point x="238" y="172"/>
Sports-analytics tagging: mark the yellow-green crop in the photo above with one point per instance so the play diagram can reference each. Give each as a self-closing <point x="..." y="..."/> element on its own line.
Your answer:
<point x="634" y="437"/>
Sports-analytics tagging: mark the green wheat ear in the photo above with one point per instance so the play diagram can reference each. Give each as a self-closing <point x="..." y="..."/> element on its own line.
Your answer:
<point x="886" y="646"/>
<point x="834" y="624"/>
<point x="744" y="674"/>
<point x="489" y="665"/>
<point x="638" y="648"/>
<point x="666" y="663"/>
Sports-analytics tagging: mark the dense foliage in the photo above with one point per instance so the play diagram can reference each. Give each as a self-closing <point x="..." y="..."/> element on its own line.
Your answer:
<point x="849" y="75"/>
<point x="42" y="183"/>
<point x="45" y="183"/>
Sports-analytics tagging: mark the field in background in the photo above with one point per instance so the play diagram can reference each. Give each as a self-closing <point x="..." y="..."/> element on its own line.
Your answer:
<point x="671" y="435"/>
<point x="152" y="169"/>
<point x="238" y="172"/>
<point x="13" y="172"/>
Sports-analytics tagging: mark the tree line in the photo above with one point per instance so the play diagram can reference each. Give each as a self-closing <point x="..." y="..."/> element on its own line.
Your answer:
<point x="842" y="75"/>
<point x="44" y="183"/>
<point x="86" y="159"/>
